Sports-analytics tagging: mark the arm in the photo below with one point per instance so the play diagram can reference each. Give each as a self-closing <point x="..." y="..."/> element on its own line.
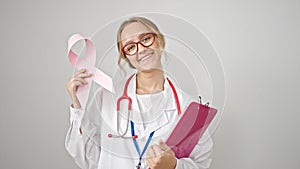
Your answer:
<point x="78" y="144"/>
<point x="81" y="147"/>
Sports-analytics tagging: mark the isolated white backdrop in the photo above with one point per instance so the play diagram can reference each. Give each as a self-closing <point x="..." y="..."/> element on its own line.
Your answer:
<point x="257" y="42"/>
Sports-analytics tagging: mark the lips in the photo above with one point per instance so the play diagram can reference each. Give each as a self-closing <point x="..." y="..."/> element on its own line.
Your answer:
<point x="147" y="56"/>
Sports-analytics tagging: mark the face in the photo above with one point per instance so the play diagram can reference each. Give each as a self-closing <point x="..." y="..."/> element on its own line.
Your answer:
<point x="146" y="58"/>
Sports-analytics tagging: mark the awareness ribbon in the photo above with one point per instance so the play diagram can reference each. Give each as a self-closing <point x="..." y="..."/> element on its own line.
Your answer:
<point x="87" y="62"/>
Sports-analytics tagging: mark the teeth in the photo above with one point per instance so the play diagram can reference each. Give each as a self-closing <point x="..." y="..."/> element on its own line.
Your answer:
<point x="145" y="56"/>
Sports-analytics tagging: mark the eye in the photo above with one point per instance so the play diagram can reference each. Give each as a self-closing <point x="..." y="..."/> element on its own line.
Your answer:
<point x="130" y="47"/>
<point x="146" y="38"/>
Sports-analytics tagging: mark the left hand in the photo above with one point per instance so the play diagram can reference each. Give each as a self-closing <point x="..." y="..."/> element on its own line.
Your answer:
<point x="161" y="156"/>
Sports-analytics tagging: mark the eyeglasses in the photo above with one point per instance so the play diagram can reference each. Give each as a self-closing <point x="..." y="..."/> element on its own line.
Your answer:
<point x="146" y="40"/>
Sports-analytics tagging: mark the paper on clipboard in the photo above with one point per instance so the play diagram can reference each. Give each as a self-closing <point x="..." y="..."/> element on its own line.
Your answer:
<point x="190" y="129"/>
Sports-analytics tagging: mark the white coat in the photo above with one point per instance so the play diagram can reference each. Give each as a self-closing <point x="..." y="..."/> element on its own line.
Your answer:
<point x="93" y="149"/>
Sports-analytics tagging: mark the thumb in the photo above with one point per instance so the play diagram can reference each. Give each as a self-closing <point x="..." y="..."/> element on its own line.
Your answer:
<point x="164" y="146"/>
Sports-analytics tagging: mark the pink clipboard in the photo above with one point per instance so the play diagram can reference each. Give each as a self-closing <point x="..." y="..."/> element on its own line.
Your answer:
<point x="190" y="129"/>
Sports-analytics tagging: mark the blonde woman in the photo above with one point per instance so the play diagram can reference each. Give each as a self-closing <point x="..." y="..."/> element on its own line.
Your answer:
<point x="156" y="107"/>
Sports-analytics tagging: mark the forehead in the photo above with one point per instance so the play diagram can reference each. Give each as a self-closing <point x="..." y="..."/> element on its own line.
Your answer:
<point x="133" y="30"/>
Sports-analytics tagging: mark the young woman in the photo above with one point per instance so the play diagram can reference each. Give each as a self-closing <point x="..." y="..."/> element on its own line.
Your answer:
<point x="155" y="108"/>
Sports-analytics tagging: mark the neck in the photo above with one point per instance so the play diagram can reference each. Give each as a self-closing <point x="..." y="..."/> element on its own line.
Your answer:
<point x="150" y="81"/>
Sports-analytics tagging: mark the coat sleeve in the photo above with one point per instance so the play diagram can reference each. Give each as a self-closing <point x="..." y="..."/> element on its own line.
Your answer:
<point x="82" y="149"/>
<point x="200" y="157"/>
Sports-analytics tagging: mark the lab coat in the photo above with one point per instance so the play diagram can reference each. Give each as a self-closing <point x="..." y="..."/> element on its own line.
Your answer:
<point x="93" y="149"/>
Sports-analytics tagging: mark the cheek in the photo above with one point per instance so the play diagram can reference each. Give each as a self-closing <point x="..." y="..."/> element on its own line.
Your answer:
<point x="132" y="59"/>
<point x="156" y="47"/>
<point x="157" y="51"/>
<point x="132" y="62"/>
<point x="156" y="44"/>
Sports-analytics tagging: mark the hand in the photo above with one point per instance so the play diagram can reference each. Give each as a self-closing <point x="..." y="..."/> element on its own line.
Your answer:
<point x="77" y="80"/>
<point x="161" y="156"/>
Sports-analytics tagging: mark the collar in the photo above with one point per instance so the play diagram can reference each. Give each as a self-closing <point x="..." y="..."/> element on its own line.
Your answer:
<point x="168" y="93"/>
<point x="161" y="120"/>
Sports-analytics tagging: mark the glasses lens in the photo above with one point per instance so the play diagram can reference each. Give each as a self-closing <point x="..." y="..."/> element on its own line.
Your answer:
<point x="147" y="40"/>
<point x="130" y="49"/>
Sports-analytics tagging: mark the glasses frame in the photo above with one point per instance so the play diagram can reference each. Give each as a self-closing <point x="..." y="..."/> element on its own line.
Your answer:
<point x="139" y="42"/>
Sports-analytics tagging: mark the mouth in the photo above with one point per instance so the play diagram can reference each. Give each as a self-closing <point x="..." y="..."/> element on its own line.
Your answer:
<point x="145" y="57"/>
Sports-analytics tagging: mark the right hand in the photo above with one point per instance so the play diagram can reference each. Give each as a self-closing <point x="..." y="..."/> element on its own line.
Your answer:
<point x="77" y="80"/>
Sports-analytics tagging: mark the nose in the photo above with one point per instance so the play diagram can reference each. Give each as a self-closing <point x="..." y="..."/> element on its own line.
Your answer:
<point x="141" y="48"/>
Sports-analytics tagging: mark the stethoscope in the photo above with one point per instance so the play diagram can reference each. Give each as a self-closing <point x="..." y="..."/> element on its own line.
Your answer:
<point x="126" y="97"/>
<point x="133" y="135"/>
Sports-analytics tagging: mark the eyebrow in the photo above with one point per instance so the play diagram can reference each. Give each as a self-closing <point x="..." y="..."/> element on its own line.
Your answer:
<point x="139" y="36"/>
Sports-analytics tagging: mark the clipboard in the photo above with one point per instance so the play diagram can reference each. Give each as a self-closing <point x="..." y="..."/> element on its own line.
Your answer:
<point x="190" y="128"/>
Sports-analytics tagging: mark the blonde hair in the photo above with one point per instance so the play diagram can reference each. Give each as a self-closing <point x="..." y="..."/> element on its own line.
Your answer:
<point x="149" y="24"/>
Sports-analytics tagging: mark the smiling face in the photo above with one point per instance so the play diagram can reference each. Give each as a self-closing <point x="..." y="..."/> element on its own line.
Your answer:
<point x="146" y="58"/>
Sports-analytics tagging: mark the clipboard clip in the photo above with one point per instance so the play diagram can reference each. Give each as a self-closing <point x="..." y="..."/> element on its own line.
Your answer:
<point x="200" y="101"/>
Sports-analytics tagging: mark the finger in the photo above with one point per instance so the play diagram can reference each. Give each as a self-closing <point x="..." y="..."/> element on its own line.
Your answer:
<point x="80" y="71"/>
<point x="76" y="84"/>
<point x="79" y="79"/>
<point x="150" y="157"/>
<point x="72" y="88"/>
<point x="157" y="150"/>
<point x="73" y="83"/>
<point x="84" y="75"/>
<point x="163" y="146"/>
<point x="150" y="162"/>
<point x="150" y="152"/>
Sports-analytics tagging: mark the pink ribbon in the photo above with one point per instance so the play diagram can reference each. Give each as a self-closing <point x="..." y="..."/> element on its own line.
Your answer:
<point x="87" y="62"/>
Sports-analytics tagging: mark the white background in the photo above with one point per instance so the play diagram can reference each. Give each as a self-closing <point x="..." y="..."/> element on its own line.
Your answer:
<point x="257" y="41"/>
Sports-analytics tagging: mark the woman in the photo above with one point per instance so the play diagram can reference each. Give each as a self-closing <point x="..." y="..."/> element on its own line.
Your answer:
<point x="140" y="44"/>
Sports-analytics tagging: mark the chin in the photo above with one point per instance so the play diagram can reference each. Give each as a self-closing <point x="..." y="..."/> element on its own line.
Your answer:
<point x="150" y="68"/>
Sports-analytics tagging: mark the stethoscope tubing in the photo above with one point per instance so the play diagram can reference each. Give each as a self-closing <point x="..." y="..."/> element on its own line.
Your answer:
<point x="126" y="97"/>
